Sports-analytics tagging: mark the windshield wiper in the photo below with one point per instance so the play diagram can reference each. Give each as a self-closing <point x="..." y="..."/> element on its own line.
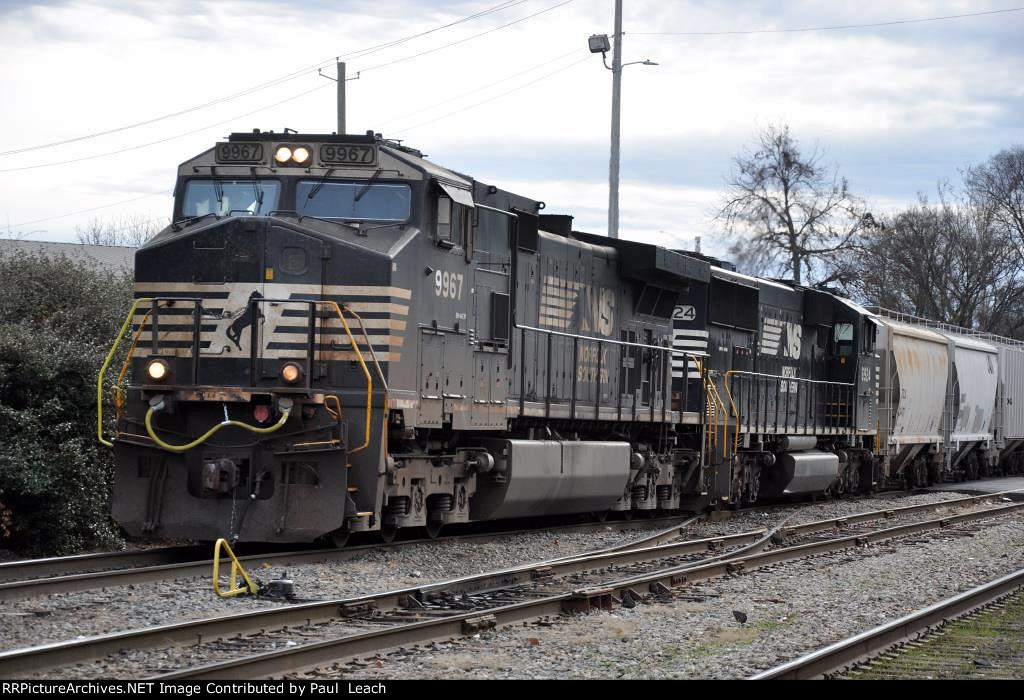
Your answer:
<point x="257" y="190"/>
<point x="366" y="188"/>
<point x="319" y="185"/>
<point x="189" y="220"/>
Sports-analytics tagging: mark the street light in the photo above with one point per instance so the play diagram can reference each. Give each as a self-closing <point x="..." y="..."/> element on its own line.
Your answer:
<point x="599" y="43"/>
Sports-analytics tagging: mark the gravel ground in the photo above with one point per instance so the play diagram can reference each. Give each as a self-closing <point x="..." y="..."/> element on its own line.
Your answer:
<point x="65" y="616"/>
<point x="791" y="609"/>
<point x="74" y="615"/>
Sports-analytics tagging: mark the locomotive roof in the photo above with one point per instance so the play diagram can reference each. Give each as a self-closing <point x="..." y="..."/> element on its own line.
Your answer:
<point x="412" y="156"/>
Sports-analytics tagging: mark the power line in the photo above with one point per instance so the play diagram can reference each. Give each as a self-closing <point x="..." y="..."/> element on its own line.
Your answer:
<point x="468" y="38"/>
<point x="294" y="97"/>
<point x="389" y="44"/>
<point x="833" y="27"/>
<point x="495" y="97"/>
<point x="164" y="140"/>
<point x="262" y="86"/>
<point x="492" y="83"/>
<point x="86" y="211"/>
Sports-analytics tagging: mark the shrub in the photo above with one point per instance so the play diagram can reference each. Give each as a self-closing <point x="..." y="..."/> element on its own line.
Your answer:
<point x="58" y="319"/>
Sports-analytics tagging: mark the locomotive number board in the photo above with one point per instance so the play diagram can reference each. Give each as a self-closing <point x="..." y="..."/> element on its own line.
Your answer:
<point x="239" y="152"/>
<point x="348" y="154"/>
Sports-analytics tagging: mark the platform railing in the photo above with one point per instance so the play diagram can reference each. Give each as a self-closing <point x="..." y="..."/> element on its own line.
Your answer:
<point x="660" y="367"/>
<point x="776" y="404"/>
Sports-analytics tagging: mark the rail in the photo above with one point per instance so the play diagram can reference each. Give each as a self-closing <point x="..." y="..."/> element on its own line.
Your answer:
<point x="856" y="648"/>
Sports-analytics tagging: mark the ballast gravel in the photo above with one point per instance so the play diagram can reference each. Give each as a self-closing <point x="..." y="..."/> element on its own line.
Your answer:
<point x="68" y="616"/>
<point x="791" y="609"/>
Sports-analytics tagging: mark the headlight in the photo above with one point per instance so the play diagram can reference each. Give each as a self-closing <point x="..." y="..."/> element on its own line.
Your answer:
<point x="291" y="373"/>
<point x="158" y="370"/>
<point x="300" y="155"/>
<point x="293" y="154"/>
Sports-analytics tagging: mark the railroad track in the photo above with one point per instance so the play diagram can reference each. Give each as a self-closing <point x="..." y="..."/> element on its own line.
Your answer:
<point x="930" y="638"/>
<point x="32" y="577"/>
<point x="437" y="611"/>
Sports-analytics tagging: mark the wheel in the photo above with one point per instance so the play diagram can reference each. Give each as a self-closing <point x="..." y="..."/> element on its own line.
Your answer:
<point x="339" y="538"/>
<point x="627" y="514"/>
<point x="433" y="528"/>
<point x="601" y="516"/>
<point x="388" y="533"/>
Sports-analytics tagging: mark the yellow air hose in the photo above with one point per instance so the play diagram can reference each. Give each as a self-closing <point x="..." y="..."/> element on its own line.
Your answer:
<point x="209" y="433"/>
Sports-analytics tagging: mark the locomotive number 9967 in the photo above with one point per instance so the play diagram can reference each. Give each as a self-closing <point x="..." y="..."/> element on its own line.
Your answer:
<point x="239" y="152"/>
<point x="448" y="285"/>
<point x="339" y="154"/>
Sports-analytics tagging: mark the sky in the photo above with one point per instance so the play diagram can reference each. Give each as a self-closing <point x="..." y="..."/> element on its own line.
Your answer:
<point x="506" y="92"/>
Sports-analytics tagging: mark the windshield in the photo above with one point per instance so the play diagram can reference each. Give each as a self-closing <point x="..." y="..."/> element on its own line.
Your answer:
<point x="353" y="201"/>
<point x="227" y="197"/>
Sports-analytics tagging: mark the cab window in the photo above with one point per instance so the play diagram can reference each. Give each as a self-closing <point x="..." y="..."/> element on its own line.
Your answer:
<point x="452" y="223"/>
<point x="844" y="339"/>
<point x="230" y="197"/>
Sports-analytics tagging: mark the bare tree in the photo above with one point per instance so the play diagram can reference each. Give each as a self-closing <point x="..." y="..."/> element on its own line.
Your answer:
<point x="998" y="185"/>
<point x="947" y="261"/>
<point x="132" y="230"/>
<point x="786" y="211"/>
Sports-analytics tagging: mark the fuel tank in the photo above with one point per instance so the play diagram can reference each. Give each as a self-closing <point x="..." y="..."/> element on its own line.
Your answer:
<point x="810" y="471"/>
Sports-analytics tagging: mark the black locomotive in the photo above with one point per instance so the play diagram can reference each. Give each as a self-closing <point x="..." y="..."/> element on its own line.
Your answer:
<point x="338" y="335"/>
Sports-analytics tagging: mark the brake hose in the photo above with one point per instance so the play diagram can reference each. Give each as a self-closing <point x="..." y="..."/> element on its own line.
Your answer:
<point x="209" y="433"/>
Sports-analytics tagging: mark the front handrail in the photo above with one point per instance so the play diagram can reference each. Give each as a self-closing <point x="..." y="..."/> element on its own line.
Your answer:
<point x="106" y="364"/>
<point x="362" y="363"/>
<point x="118" y="392"/>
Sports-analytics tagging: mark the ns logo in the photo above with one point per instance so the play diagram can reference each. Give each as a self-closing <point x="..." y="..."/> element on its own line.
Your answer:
<point x="596" y="309"/>
<point x="778" y="335"/>
<point x="576" y="306"/>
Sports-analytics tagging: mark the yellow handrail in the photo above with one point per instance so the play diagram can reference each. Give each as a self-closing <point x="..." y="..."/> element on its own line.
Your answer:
<point x="735" y="412"/>
<point x="249" y="588"/>
<point x="336" y="412"/>
<point x="118" y="392"/>
<point x="103" y="370"/>
<point x="380" y="373"/>
<point x="209" y="433"/>
<point x="719" y="404"/>
<point x="710" y="415"/>
<point x="366" y="371"/>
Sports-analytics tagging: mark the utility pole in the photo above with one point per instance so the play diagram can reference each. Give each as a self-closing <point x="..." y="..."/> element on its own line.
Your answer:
<point x="341" y="79"/>
<point x="613" y="166"/>
<point x="599" y="43"/>
<point x="341" y="98"/>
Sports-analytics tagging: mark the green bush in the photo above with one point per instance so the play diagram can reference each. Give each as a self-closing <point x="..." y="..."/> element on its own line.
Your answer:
<point x="58" y="319"/>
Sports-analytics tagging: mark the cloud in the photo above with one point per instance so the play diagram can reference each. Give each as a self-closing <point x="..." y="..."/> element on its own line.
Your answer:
<point x="895" y="108"/>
